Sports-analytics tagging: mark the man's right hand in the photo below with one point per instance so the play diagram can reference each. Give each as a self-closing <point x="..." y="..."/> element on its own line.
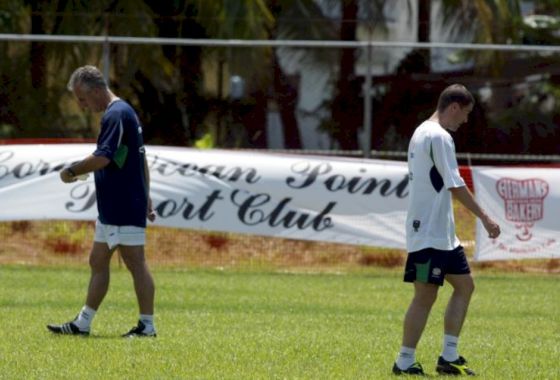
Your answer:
<point x="66" y="176"/>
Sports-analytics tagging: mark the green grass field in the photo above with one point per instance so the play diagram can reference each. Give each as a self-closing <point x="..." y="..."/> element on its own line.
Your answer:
<point x="266" y="325"/>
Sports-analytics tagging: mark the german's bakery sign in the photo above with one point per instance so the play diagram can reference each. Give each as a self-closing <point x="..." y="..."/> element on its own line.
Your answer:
<point x="523" y="201"/>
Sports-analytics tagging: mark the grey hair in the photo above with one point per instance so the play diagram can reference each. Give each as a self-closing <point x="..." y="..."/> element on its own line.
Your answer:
<point x="88" y="76"/>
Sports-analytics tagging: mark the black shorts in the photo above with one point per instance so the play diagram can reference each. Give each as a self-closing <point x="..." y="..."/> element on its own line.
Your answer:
<point x="431" y="265"/>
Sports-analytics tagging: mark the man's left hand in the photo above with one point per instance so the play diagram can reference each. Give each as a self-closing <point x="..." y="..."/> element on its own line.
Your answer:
<point x="151" y="213"/>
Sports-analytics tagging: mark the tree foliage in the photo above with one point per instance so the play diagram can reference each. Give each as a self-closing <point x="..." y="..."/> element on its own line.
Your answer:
<point x="182" y="93"/>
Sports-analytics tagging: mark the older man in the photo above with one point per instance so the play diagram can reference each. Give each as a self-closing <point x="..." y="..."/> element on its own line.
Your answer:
<point x="123" y="202"/>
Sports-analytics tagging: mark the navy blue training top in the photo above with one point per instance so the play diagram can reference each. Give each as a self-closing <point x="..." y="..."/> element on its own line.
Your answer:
<point x="121" y="189"/>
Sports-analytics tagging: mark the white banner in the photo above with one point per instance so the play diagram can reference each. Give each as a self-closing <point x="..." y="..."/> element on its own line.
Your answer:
<point x="352" y="201"/>
<point x="525" y="203"/>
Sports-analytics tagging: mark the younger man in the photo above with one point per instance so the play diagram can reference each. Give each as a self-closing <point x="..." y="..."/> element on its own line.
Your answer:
<point x="435" y="252"/>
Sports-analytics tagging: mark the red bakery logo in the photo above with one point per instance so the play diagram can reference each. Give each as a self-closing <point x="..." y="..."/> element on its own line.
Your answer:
<point x="523" y="202"/>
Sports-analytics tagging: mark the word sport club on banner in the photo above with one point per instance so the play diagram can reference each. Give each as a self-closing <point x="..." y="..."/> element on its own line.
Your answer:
<point x="342" y="200"/>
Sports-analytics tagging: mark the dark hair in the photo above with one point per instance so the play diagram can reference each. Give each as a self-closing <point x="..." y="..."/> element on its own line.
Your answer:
<point x="456" y="93"/>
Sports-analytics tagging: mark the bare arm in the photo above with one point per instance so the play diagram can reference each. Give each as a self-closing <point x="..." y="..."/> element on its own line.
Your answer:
<point x="151" y="213"/>
<point x="89" y="164"/>
<point x="463" y="195"/>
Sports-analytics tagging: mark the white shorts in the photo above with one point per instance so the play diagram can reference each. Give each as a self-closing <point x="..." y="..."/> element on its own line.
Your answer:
<point x="119" y="235"/>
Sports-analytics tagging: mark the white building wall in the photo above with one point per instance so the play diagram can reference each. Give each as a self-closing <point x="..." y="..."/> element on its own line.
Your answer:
<point x="317" y="77"/>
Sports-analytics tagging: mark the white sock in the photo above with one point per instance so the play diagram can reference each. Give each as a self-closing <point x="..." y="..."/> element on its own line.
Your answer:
<point x="406" y="358"/>
<point x="148" y="321"/>
<point x="449" y="352"/>
<point x="84" y="318"/>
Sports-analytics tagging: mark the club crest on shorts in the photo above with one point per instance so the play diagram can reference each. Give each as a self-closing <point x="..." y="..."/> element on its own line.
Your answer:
<point x="436" y="272"/>
<point x="523" y="202"/>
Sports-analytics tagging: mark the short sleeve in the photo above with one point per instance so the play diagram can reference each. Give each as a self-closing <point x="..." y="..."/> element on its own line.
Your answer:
<point x="442" y="151"/>
<point x="110" y="136"/>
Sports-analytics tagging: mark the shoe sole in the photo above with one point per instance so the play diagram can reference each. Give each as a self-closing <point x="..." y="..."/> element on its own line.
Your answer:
<point x="138" y="336"/>
<point x="58" y="331"/>
<point x="453" y="372"/>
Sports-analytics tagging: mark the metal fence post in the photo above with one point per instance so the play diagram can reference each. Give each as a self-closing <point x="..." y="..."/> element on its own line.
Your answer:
<point x="106" y="60"/>
<point x="367" y="103"/>
<point x="106" y="51"/>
